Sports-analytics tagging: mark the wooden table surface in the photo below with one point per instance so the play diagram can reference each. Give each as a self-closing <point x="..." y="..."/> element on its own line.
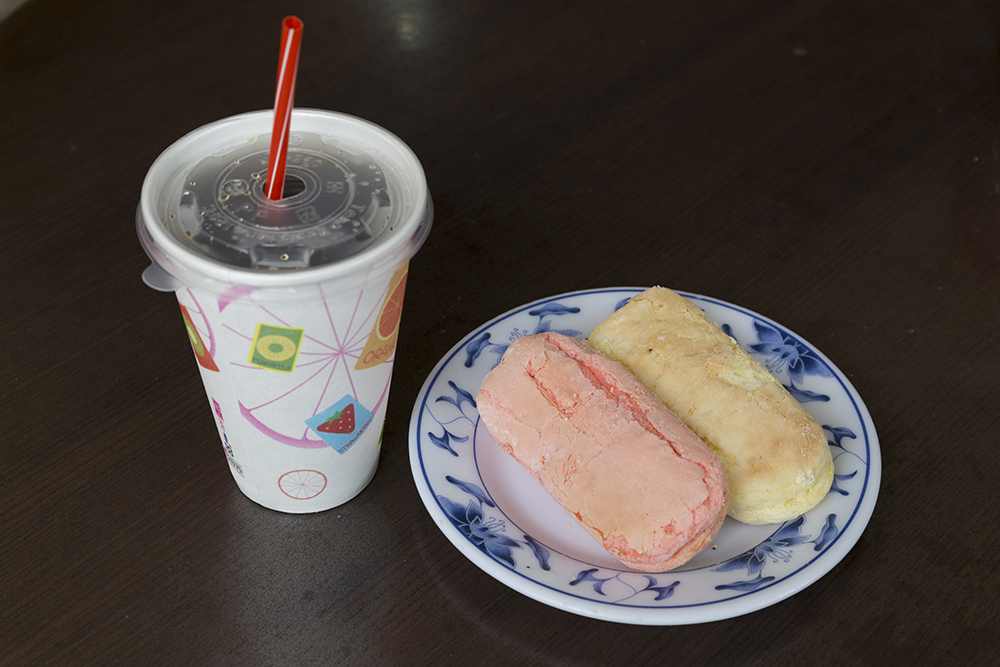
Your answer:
<point x="832" y="166"/>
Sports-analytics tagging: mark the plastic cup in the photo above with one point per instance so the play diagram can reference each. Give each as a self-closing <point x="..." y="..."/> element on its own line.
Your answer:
<point x="292" y="306"/>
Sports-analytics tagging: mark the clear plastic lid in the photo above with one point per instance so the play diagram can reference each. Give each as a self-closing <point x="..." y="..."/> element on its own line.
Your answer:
<point x="355" y="198"/>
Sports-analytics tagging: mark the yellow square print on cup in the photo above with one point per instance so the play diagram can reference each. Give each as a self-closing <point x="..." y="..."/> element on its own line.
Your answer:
<point x="275" y="348"/>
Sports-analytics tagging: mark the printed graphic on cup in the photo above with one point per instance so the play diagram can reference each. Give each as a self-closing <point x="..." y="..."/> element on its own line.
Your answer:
<point x="381" y="341"/>
<point x="200" y="351"/>
<point x="225" y="438"/>
<point x="302" y="484"/>
<point x="341" y="424"/>
<point x="275" y="348"/>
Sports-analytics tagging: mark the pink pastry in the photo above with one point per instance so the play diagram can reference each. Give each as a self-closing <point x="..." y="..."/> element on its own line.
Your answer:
<point x="618" y="460"/>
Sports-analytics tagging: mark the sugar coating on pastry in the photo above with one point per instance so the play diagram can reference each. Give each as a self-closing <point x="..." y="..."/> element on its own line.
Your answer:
<point x="616" y="459"/>
<point x="776" y="456"/>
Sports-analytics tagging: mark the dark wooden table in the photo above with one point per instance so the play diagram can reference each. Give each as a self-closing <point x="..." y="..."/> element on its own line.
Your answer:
<point x="833" y="166"/>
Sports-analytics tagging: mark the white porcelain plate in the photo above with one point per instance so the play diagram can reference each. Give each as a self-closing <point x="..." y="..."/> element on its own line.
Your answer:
<point x="504" y="521"/>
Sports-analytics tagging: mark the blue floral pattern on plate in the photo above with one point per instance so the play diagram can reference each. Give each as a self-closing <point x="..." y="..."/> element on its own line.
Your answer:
<point x="502" y="520"/>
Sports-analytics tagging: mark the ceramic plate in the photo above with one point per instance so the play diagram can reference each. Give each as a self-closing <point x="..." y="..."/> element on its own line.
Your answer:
<point x="496" y="514"/>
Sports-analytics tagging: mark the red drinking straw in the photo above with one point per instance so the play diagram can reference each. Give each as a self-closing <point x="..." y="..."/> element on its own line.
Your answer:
<point x="284" y="97"/>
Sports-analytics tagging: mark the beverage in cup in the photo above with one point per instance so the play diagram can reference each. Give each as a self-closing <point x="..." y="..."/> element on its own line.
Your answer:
<point x="293" y="305"/>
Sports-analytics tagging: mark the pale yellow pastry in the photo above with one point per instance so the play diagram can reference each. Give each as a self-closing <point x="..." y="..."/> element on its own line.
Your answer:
<point x="775" y="455"/>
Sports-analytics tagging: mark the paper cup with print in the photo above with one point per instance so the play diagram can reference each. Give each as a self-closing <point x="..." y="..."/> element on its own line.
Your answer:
<point x="292" y="306"/>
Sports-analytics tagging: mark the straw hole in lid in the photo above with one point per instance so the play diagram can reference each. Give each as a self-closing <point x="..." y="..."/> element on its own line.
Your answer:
<point x="293" y="186"/>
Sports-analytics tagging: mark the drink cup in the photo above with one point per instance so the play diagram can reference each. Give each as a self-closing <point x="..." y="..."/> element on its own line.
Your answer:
<point x="292" y="306"/>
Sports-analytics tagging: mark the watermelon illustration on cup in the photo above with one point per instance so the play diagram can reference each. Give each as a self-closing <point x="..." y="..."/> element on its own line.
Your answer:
<point x="292" y="306"/>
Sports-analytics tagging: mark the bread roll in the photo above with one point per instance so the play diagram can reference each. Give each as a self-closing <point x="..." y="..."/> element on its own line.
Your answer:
<point x="625" y="467"/>
<point x="776" y="456"/>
